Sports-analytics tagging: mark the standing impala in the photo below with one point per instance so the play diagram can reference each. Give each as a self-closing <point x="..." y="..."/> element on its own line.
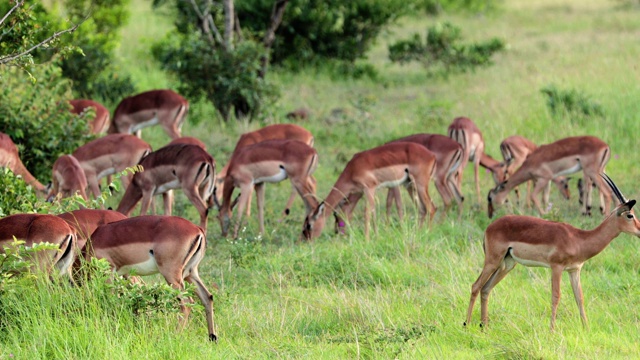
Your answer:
<point x="389" y="165"/>
<point x="448" y="158"/>
<point x="146" y="245"/>
<point x="163" y="107"/>
<point x="10" y="158"/>
<point x="467" y="134"/>
<point x="179" y="166"/>
<point x="100" y="122"/>
<point x="108" y="155"/>
<point x="267" y="162"/>
<point x="68" y="178"/>
<point x="269" y="132"/>
<point x="531" y="241"/>
<point x="39" y="228"/>
<point x="86" y="221"/>
<point x="515" y="150"/>
<point x="563" y="157"/>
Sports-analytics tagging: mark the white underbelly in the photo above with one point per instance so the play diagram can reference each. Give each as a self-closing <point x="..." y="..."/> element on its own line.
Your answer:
<point x="106" y="172"/>
<point x="279" y="176"/>
<point x="577" y="167"/>
<point x="148" y="267"/>
<point x="527" y="262"/>
<point x="174" y="184"/>
<point x="154" y="120"/>
<point x="395" y="183"/>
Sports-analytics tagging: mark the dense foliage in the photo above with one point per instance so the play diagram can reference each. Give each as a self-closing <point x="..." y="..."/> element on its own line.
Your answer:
<point x="572" y="104"/>
<point x="93" y="72"/>
<point x="313" y="31"/>
<point x="442" y="52"/>
<point x="38" y="119"/>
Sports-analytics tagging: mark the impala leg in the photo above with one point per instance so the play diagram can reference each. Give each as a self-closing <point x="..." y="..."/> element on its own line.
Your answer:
<point x="92" y="180"/>
<point x="147" y="197"/>
<point x="260" y="200"/>
<point x="445" y="194"/>
<point x="540" y="185"/>
<point x="545" y="194"/>
<point x="476" y="172"/>
<point x="556" y="277"/>
<point x="457" y="195"/>
<point x="347" y="209"/>
<point x="207" y="301"/>
<point x="193" y="194"/>
<point x="394" y="197"/>
<point x="574" y="277"/>
<point x="370" y="208"/>
<point x="491" y="265"/>
<point x="167" y="199"/>
<point x="605" y="194"/>
<point x="306" y="188"/>
<point x="292" y="197"/>
<point x="245" y="193"/>
<point x="507" y="265"/>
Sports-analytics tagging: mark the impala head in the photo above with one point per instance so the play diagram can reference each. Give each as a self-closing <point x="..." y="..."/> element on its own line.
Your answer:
<point x="499" y="173"/>
<point x="224" y="216"/>
<point x="563" y="186"/>
<point x="497" y="196"/>
<point x="314" y="223"/>
<point x="626" y="218"/>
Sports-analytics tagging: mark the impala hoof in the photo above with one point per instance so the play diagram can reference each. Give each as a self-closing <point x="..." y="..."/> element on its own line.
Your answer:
<point x="213" y="337"/>
<point x="464" y="324"/>
<point x="287" y="211"/>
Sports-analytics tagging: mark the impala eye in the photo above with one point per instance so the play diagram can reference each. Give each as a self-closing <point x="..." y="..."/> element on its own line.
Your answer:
<point x="629" y="216"/>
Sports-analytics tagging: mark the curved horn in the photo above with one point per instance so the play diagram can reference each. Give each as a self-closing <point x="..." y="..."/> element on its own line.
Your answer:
<point x="614" y="188"/>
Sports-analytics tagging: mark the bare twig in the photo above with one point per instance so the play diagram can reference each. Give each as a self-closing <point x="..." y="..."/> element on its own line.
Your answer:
<point x="276" y="19"/>
<point x="9" y="58"/>
<point x="18" y="4"/>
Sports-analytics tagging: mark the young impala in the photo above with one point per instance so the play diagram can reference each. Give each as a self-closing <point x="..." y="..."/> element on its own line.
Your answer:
<point x="448" y="158"/>
<point x="100" y="121"/>
<point x="146" y="245"/>
<point x="39" y="228"/>
<point x="269" y="132"/>
<point x="565" y="156"/>
<point x="9" y="158"/>
<point x="467" y="134"/>
<point x="389" y="165"/>
<point x="67" y="179"/>
<point x="267" y="162"/>
<point x="164" y="107"/>
<point x="531" y="241"/>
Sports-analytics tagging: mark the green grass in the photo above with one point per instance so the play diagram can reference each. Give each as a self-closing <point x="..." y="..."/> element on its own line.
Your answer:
<point x="404" y="293"/>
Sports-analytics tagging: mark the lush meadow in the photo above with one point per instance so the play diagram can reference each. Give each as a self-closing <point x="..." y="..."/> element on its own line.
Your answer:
<point x="403" y="293"/>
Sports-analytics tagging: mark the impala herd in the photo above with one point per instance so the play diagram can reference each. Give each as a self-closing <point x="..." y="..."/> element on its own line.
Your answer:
<point x="173" y="246"/>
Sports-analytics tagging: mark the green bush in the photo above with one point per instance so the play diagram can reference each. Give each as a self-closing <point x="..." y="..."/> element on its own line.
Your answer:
<point x="228" y="79"/>
<point x="442" y="52"/>
<point x="92" y="71"/>
<point x="313" y="31"/>
<point x="38" y="119"/>
<point x="571" y="103"/>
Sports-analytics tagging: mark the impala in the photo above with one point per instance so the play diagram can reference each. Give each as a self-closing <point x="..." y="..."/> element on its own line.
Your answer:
<point x="179" y="166"/>
<point x="448" y="158"/>
<point x="164" y="107"/>
<point x="515" y="150"/>
<point x="145" y="245"/>
<point x="68" y="178"/>
<point x="108" y="155"/>
<point x="531" y="241"/>
<point x="267" y="162"/>
<point x="270" y="132"/>
<point x="562" y="157"/>
<point x="389" y="165"/>
<point x="39" y="228"/>
<point x="467" y="134"/>
<point x="100" y="121"/>
<point x="86" y="221"/>
<point x="10" y="159"/>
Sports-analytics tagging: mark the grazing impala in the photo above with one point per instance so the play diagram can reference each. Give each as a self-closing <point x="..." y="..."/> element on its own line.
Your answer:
<point x="108" y="155"/>
<point x="39" y="228"/>
<point x="68" y="178"/>
<point x="145" y="245"/>
<point x="515" y="150"/>
<point x="389" y="165"/>
<point x="179" y="166"/>
<point x="10" y="159"/>
<point x="269" y="132"/>
<point x="267" y="162"/>
<point x="164" y="107"/>
<point x="562" y="157"/>
<point x="448" y="158"/>
<point x="467" y="134"/>
<point x="100" y="122"/>
<point x="531" y="241"/>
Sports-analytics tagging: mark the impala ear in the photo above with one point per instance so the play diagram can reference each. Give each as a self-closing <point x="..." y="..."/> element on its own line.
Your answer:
<point x="627" y="206"/>
<point x="319" y="211"/>
<point x="630" y="204"/>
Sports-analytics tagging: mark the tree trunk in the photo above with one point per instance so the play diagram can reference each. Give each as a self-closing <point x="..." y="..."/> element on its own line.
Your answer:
<point x="276" y="19"/>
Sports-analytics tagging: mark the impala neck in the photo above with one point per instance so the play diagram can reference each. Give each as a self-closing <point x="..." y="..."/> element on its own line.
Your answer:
<point x="520" y="176"/>
<point x="596" y="240"/>
<point x="28" y="178"/>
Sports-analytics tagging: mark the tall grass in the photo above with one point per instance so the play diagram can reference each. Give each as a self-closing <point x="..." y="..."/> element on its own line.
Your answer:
<point x="404" y="293"/>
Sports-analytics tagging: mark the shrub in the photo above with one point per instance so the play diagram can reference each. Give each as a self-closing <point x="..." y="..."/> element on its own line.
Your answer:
<point x="229" y="79"/>
<point x="442" y="51"/>
<point x="571" y="103"/>
<point x="38" y="119"/>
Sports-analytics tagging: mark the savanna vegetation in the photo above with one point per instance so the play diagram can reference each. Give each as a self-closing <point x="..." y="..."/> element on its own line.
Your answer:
<point x="567" y="68"/>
